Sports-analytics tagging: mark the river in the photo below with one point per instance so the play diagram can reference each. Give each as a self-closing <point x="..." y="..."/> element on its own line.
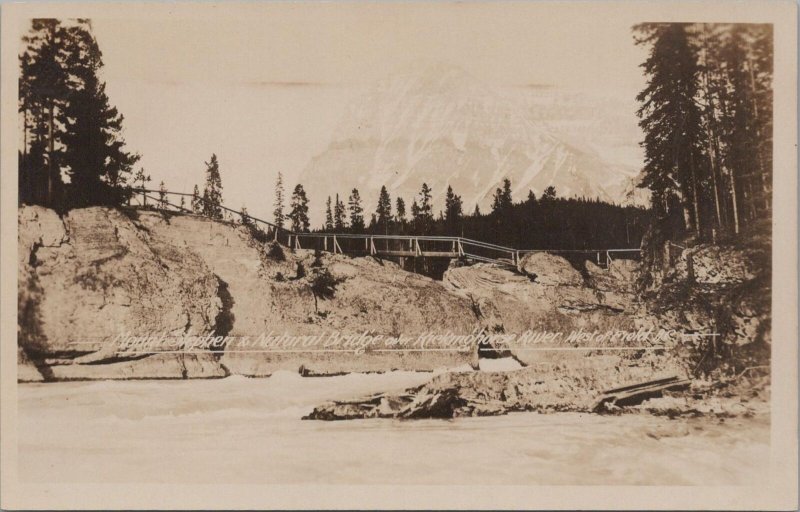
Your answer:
<point x="249" y="431"/>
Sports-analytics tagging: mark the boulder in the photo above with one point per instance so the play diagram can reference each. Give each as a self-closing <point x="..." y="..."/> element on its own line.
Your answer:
<point x="548" y="269"/>
<point x="571" y="385"/>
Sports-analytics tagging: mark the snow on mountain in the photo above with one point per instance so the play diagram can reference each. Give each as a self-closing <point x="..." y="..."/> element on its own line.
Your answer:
<point x="441" y="126"/>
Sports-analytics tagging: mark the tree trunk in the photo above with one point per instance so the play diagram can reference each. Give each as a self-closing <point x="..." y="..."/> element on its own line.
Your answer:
<point x="733" y="195"/>
<point x="759" y="140"/>
<point x="695" y="197"/>
<point x="710" y="113"/>
<point x="50" y="149"/>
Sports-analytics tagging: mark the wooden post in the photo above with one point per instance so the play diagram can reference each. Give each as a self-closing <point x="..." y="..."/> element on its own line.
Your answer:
<point x="334" y="244"/>
<point x="325" y="244"/>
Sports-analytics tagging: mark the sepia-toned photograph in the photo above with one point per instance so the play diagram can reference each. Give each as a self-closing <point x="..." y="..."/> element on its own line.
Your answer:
<point x="376" y="246"/>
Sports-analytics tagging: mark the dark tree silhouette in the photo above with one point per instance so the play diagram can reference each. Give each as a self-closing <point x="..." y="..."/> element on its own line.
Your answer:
<point x="356" y="212"/>
<point x="212" y="194"/>
<point x="299" y="210"/>
<point x="277" y="213"/>
<point x="69" y="126"/>
<point x="383" y="213"/>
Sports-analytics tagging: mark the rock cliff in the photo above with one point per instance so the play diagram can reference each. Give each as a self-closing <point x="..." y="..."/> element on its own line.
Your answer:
<point x="98" y="272"/>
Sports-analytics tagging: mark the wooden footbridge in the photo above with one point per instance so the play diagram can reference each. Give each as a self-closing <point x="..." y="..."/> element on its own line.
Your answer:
<point x="387" y="246"/>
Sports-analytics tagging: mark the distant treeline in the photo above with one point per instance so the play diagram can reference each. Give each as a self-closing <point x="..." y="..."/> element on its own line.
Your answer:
<point x="707" y="117"/>
<point x="547" y="222"/>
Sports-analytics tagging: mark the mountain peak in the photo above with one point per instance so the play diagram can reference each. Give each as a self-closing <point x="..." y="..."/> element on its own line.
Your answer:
<point x="436" y="123"/>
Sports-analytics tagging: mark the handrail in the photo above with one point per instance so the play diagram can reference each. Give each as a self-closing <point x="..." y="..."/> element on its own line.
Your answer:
<point x="528" y="251"/>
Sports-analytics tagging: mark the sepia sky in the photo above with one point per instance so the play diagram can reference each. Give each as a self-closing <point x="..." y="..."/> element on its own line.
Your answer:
<point x="264" y="89"/>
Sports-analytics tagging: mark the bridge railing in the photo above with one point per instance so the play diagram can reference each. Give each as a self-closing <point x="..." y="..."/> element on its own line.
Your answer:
<point x="358" y="243"/>
<point x="483" y="251"/>
<point x="405" y="245"/>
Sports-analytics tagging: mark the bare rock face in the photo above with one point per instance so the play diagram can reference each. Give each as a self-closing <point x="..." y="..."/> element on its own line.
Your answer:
<point x="623" y="270"/>
<point x="93" y="275"/>
<point x="261" y="294"/>
<point x="571" y="385"/>
<point x="549" y="269"/>
<point x="513" y="303"/>
<point x="724" y="291"/>
<point x="717" y="265"/>
<point x="98" y="272"/>
<point x="619" y="277"/>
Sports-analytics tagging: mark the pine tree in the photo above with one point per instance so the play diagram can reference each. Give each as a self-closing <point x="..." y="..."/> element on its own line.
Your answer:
<point x="96" y="163"/>
<point x="424" y="217"/>
<point x="68" y="122"/>
<point x="671" y="120"/>
<point x="212" y="195"/>
<point x="383" y="213"/>
<point x="549" y="193"/>
<point x="277" y="213"/>
<point x="743" y="136"/>
<point x="299" y="210"/>
<point x="502" y="201"/>
<point x="43" y="89"/>
<point x="328" y="215"/>
<point x="400" y="208"/>
<point x="339" y="222"/>
<point x="452" y="209"/>
<point x="356" y="212"/>
<point x="415" y="216"/>
<point x="197" y="203"/>
<point x="142" y="179"/>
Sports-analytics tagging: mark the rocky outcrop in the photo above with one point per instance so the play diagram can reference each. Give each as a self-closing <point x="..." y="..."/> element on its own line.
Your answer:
<point x="721" y="296"/>
<point x="571" y="385"/>
<point x="92" y="275"/>
<point x="98" y="272"/>
<point x="511" y="302"/>
<point x="550" y="270"/>
<point x="273" y="295"/>
<point x="716" y="265"/>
